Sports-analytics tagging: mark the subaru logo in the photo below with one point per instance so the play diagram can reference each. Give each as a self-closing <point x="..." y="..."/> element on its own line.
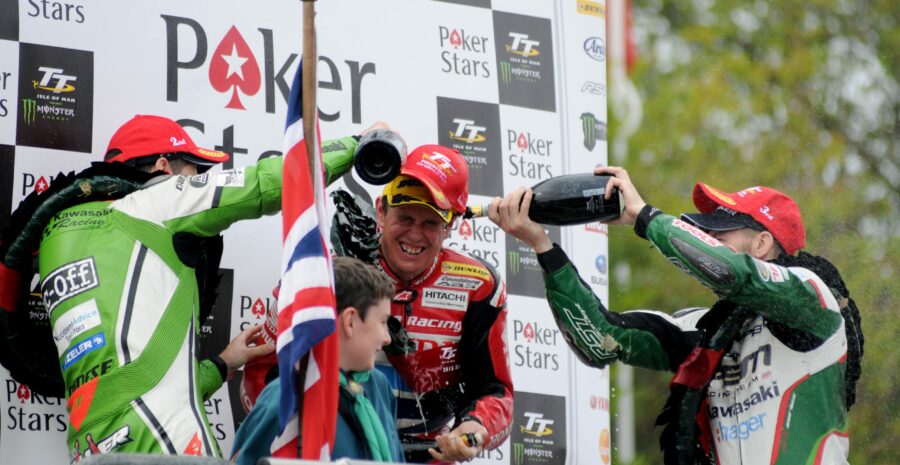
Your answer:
<point x="600" y="263"/>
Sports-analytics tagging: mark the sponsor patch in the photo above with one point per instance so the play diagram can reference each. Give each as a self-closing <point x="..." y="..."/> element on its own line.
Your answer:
<point x="444" y="298"/>
<point x="106" y="445"/>
<point x="433" y="323"/>
<point x="230" y="178"/>
<point x="465" y="270"/>
<point x="697" y="232"/>
<point x="67" y="281"/>
<point x="459" y="282"/>
<point x="199" y="180"/>
<point x="75" y="322"/>
<point x="779" y="274"/>
<point x="762" y="270"/>
<point x="83" y="348"/>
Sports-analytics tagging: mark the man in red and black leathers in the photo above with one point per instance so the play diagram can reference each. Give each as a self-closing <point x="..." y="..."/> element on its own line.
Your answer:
<point x="452" y="373"/>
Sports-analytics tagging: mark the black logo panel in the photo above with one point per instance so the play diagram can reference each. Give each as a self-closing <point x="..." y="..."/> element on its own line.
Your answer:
<point x="538" y="430"/>
<point x="523" y="273"/>
<point x="473" y="128"/>
<point x="56" y="98"/>
<point x="524" y="47"/>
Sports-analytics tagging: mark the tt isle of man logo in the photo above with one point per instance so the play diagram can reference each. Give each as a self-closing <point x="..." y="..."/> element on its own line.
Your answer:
<point x="522" y="45"/>
<point x="467" y="131"/>
<point x="62" y="80"/>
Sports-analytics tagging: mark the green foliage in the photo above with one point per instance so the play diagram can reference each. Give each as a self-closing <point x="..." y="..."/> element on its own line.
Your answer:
<point x="803" y="97"/>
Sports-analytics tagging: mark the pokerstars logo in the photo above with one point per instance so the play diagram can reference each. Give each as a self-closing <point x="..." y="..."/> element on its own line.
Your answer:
<point x="35" y="183"/>
<point x="477" y="238"/>
<point x="23" y="393"/>
<point x="467" y="131"/>
<point x="29" y="411"/>
<point x="465" y="230"/>
<point x="255" y="307"/>
<point x="463" y="53"/>
<point x="233" y="68"/>
<point x="531" y="344"/>
<point x="529" y="155"/>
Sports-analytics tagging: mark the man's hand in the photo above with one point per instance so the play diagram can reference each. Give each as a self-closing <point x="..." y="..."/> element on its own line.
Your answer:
<point x="242" y="349"/>
<point x="511" y="214"/>
<point x="633" y="201"/>
<point x="452" y="447"/>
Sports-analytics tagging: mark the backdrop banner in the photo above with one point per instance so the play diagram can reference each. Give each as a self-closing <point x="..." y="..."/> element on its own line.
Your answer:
<point x="517" y="86"/>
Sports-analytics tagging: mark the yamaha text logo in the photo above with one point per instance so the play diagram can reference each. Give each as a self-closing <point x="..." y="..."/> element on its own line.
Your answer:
<point x="464" y="53"/>
<point x="524" y="51"/>
<point x="55" y="98"/>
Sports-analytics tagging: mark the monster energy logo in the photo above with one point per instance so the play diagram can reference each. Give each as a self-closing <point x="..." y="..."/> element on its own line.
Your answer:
<point x="505" y="72"/>
<point x="593" y="130"/>
<point x="513" y="258"/>
<point x="518" y="454"/>
<point x="29" y="110"/>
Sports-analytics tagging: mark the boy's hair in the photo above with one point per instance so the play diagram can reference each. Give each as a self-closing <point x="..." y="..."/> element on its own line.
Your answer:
<point x="359" y="285"/>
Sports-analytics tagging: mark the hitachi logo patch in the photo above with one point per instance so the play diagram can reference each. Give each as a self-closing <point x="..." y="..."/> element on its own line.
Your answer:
<point x="444" y="298"/>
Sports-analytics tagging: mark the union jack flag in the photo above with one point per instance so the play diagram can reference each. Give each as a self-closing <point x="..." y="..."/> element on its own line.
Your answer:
<point x="306" y="303"/>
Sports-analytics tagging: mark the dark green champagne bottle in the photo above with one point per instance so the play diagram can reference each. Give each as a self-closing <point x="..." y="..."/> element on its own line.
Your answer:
<point x="568" y="200"/>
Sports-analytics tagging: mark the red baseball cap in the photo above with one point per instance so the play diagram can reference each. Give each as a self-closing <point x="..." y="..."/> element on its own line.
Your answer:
<point x="752" y="207"/>
<point x="146" y="135"/>
<point x="444" y="172"/>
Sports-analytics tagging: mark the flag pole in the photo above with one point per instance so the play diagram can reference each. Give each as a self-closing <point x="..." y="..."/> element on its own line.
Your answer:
<point x="310" y="135"/>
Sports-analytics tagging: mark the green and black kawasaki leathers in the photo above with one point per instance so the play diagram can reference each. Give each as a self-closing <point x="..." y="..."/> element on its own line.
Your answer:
<point x="777" y="397"/>
<point x="124" y="307"/>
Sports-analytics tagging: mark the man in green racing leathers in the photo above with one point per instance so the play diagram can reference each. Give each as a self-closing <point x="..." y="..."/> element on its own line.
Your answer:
<point x="760" y="377"/>
<point x="124" y="306"/>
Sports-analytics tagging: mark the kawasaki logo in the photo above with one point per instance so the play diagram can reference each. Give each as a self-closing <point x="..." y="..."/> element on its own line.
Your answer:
<point x="29" y="110"/>
<point x="763" y="394"/>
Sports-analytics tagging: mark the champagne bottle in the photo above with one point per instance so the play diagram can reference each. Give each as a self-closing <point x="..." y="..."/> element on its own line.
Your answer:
<point x="568" y="200"/>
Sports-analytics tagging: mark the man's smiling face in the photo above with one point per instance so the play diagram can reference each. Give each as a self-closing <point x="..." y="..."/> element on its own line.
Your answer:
<point x="412" y="238"/>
